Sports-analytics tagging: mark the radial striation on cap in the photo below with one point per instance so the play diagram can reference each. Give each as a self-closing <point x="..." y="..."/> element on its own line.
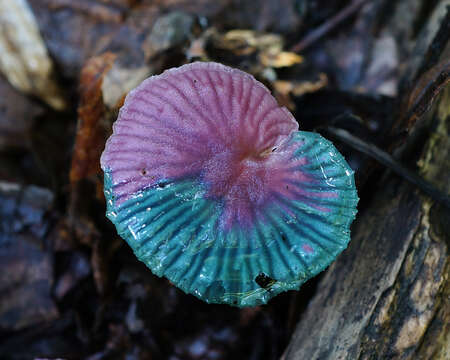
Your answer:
<point x="212" y="185"/>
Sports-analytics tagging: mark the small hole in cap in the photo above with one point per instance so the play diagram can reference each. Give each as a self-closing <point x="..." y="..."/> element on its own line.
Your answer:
<point x="264" y="281"/>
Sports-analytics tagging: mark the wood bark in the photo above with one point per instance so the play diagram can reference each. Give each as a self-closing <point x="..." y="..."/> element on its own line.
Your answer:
<point x="387" y="295"/>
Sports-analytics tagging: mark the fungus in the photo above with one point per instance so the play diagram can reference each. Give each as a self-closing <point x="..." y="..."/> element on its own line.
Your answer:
<point x="212" y="185"/>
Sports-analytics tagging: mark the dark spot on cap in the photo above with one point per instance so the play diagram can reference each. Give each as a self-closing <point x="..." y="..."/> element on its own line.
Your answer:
<point x="162" y="185"/>
<point x="264" y="281"/>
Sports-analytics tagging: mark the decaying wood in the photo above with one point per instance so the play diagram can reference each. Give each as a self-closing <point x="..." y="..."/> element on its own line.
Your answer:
<point x="387" y="295"/>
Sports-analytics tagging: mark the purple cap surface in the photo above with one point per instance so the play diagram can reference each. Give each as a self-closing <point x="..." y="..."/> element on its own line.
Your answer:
<point x="205" y="170"/>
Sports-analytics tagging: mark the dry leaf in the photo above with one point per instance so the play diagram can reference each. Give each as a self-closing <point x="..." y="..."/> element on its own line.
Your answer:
<point x="280" y="59"/>
<point x="23" y="56"/>
<point x="252" y="40"/>
<point x="119" y="81"/>
<point x="300" y="88"/>
<point x="91" y="132"/>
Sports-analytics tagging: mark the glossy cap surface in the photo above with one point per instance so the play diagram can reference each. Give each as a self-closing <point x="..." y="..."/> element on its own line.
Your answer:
<point x="213" y="187"/>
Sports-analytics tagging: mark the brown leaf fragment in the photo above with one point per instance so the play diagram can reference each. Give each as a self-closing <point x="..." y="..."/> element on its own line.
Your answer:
<point x="91" y="132"/>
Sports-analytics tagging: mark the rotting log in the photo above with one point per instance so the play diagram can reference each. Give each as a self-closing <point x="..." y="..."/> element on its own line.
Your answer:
<point x="388" y="295"/>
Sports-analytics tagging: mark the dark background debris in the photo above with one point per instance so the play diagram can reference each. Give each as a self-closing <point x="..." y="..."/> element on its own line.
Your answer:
<point x="71" y="288"/>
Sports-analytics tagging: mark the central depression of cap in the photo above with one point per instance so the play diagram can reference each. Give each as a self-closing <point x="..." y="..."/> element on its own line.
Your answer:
<point x="212" y="185"/>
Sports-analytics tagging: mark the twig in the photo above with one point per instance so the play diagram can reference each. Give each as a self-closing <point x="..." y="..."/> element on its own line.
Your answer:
<point x="387" y="160"/>
<point x="323" y="29"/>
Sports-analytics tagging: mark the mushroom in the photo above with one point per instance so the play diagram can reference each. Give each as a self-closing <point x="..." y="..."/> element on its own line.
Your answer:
<point x="212" y="185"/>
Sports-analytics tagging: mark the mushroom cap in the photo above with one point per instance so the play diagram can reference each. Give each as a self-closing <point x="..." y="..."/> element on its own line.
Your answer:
<point x="212" y="185"/>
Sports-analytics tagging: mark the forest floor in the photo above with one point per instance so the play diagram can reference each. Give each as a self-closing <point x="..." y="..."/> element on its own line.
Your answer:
<point x="372" y="70"/>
